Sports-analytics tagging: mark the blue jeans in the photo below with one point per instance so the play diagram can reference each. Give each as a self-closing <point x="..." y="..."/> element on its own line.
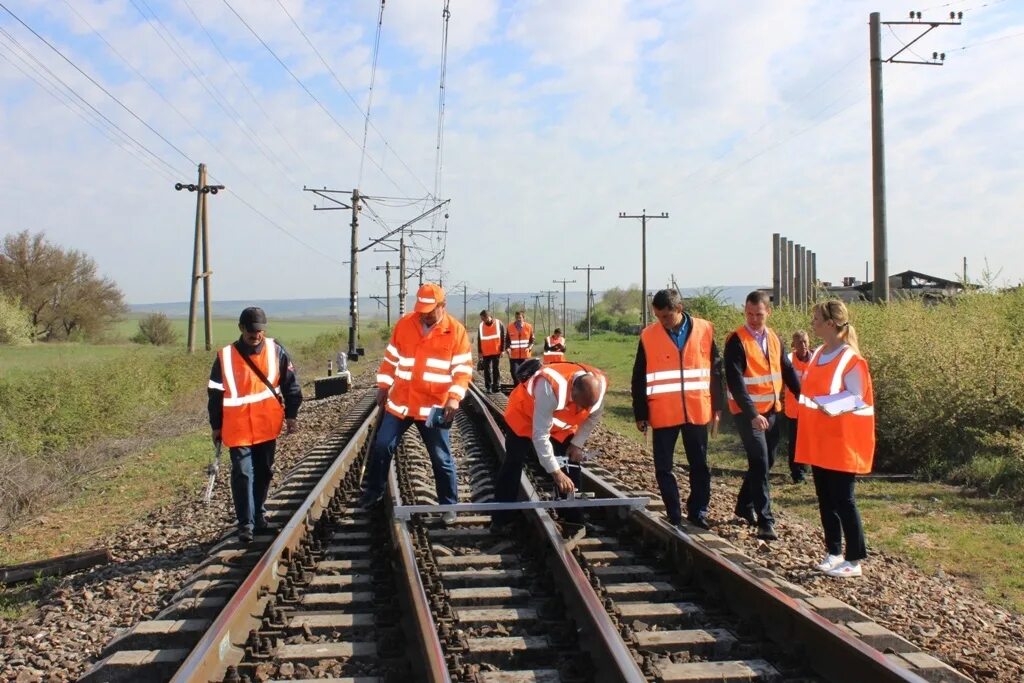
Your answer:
<point x="251" y="470"/>
<point x="695" y="443"/>
<point x="386" y="443"/>
<point x="517" y="449"/>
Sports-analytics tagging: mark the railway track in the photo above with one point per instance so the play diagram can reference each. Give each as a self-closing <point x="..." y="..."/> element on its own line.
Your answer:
<point x="353" y="595"/>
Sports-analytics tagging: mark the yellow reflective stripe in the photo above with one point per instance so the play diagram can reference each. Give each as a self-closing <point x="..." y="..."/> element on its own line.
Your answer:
<point x="438" y="363"/>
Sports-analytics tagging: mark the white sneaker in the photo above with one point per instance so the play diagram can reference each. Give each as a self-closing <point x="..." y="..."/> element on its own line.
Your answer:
<point x="448" y="518"/>
<point x="830" y="562"/>
<point x="846" y="570"/>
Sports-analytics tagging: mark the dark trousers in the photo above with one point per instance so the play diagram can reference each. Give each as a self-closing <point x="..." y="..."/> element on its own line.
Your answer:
<point x="513" y="365"/>
<point x="492" y="373"/>
<point x="517" y="449"/>
<point x="251" y="470"/>
<point x="695" y="443"/>
<point x="797" y="471"/>
<point x="389" y="434"/>
<point x="839" y="515"/>
<point x="760" y="448"/>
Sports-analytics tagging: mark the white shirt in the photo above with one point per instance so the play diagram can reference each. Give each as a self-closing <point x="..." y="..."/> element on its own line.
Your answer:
<point x="544" y="404"/>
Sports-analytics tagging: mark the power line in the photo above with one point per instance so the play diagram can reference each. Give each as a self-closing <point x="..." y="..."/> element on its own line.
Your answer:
<point x="373" y="79"/>
<point x="105" y="91"/>
<point x="349" y="94"/>
<point x="308" y="91"/>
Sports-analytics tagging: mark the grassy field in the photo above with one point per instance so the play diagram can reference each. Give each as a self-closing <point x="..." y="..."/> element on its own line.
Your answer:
<point x="225" y="330"/>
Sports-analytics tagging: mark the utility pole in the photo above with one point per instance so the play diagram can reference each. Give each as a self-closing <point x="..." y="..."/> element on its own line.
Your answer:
<point x="536" y="305"/>
<point x="549" y="293"/>
<point x="880" y="291"/>
<point x="588" y="268"/>
<point x="643" y="228"/>
<point x="201" y="249"/>
<point x="465" y="300"/>
<point x="353" y="281"/>
<point x="564" y="283"/>
<point x="387" y="268"/>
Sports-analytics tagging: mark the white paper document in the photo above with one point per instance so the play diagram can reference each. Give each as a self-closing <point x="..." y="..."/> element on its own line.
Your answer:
<point x="838" y="404"/>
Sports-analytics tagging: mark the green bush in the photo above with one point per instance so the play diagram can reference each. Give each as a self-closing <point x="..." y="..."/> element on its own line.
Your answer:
<point x="15" y="323"/>
<point x="155" y="329"/>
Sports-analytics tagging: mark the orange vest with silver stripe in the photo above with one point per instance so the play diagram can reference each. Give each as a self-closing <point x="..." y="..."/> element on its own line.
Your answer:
<point x="678" y="382"/>
<point x="568" y="416"/>
<point x="763" y="376"/>
<point x="519" y="342"/>
<point x="490" y="337"/>
<point x="252" y="413"/>
<point x="554" y="356"/>
<point x="843" y="443"/>
<point x="423" y="372"/>
<point x="789" y="402"/>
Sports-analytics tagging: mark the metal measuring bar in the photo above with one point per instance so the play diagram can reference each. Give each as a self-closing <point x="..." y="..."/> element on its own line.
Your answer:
<point x="405" y="512"/>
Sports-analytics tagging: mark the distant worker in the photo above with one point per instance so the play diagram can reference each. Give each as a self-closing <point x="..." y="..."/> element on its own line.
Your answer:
<point x="253" y="391"/>
<point x="798" y="357"/>
<point x="756" y="367"/>
<point x="837" y="434"/>
<point x="677" y="389"/>
<point x="426" y="369"/>
<point x="551" y="415"/>
<point x="519" y="344"/>
<point x="490" y="344"/>
<point x="554" y="347"/>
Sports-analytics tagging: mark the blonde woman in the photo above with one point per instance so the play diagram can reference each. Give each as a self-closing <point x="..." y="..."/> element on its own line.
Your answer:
<point x="837" y="434"/>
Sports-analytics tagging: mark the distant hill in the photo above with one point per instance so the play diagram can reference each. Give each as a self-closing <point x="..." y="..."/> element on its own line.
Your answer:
<point x="337" y="308"/>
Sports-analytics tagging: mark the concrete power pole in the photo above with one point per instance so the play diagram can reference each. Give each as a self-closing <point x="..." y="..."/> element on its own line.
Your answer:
<point x="201" y="249"/>
<point x="387" y="268"/>
<point x="565" y="325"/>
<point x="776" y="270"/>
<point x="588" y="268"/>
<point x="880" y="290"/>
<point x="643" y="228"/>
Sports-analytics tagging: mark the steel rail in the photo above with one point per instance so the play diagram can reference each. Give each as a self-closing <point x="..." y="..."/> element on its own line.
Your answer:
<point x="415" y="595"/>
<point x="223" y="643"/>
<point x="600" y="638"/>
<point x="832" y="653"/>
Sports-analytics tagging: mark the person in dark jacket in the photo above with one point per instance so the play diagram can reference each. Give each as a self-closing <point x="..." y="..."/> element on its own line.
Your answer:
<point x="253" y="392"/>
<point x="677" y="389"/>
<point x="756" y="368"/>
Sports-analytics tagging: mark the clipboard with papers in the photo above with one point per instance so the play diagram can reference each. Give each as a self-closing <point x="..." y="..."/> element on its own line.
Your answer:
<point x="839" y="404"/>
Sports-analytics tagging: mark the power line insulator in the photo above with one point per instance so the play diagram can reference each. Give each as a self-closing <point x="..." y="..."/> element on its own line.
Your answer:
<point x="178" y="186"/>
<point x="911" y="14"/>
<point x="942" y="56"/>
<point x="918" y="15"/>
<point x="959" y="15"/>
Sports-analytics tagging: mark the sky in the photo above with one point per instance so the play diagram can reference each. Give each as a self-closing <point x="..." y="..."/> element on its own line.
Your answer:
<point x="737" y="119"/>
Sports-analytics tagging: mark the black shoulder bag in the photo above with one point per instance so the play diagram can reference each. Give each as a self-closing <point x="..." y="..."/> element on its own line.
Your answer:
<point x="259" y="373"/>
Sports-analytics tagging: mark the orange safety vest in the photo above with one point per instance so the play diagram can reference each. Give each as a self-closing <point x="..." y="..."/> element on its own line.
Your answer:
<point x="568" y="416"/>
<point x="763" y="376"/>
<point x="554" y="356"/>
<point x="678" y="381"/>
<point x="844" y="443"/>
<point x="423" y="372"/>
<point x="789" y="402"/>
<point x="490" y="337"/>
<point x="252" y="412"/>
<point x="519" y="342"/>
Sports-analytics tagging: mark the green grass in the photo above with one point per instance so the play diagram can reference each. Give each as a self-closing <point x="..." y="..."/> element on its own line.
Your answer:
<point x="225" y="330"/>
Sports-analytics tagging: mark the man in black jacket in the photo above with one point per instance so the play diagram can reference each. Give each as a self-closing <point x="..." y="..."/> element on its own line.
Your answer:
<point x="247" y="406"/>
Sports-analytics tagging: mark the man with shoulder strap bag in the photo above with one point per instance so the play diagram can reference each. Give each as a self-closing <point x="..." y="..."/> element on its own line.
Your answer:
<point x="253" y="392"/>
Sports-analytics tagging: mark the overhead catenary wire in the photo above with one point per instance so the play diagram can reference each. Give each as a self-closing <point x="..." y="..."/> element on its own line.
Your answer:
<point x="369" y="94"/>
<point x="348" y="94"/>
<point x="308" y="91"/>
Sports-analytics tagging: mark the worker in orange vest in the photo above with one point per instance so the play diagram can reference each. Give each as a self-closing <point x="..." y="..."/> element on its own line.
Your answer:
<point x="253" y="391"/>
<point x="490" y="344"/>
<point x="519" y="343"/>
<point x="677" y="389"/>
<point x="837" y="434"/>
<point x="551" y="414"/>
<point x="798" y="357"/>
<point x="756" y="367"/>
<point x="426" y="369"/>
<point x="554" y="347"/>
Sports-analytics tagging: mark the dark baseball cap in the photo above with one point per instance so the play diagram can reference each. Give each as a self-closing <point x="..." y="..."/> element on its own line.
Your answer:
<point x="253" y="319"/>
